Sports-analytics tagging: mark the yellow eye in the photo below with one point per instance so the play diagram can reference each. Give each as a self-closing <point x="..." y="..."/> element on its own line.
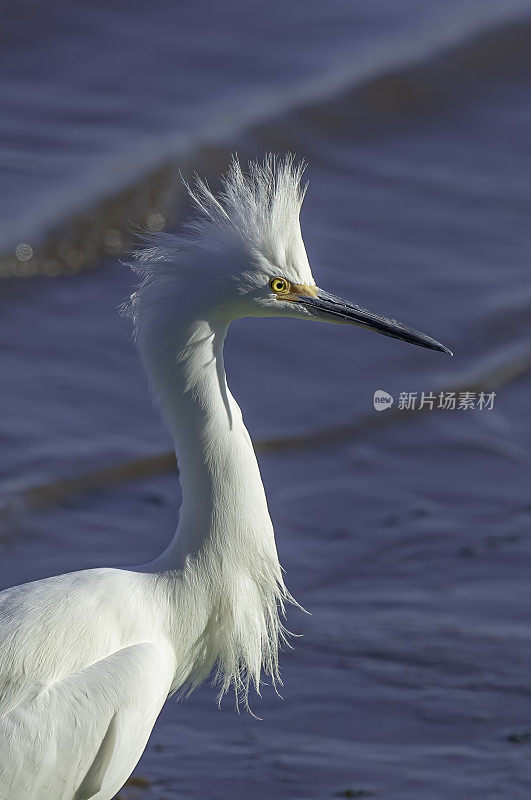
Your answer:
<point x="278" y="285"/>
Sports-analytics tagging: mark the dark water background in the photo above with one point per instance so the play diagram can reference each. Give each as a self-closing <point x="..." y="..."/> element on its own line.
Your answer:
<point x="407" y="536"/>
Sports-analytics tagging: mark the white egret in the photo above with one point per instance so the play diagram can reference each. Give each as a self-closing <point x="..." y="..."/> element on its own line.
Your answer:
<point x="88" y="659"/>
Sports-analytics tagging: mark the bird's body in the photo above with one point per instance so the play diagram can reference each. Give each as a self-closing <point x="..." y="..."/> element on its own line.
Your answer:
<point x="88" y="659"/>
<point x="83" y="673"/>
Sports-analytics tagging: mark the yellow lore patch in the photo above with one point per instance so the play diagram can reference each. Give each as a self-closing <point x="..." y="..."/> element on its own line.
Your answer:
<point x="285" y="290"/>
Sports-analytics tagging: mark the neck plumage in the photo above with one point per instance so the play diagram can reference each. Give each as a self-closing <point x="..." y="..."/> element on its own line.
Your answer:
<point x="224" y="547"/>
<point x="224" y="507"/>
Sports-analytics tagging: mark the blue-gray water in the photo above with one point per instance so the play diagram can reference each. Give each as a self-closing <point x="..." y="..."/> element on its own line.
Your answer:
<point x="410" y="543"/>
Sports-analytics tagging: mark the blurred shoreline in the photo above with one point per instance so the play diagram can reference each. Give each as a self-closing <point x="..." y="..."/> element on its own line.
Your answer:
<point x="388" y="89"/>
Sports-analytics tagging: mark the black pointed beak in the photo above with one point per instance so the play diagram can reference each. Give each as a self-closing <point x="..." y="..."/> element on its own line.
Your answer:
<point x="329" y="308"/>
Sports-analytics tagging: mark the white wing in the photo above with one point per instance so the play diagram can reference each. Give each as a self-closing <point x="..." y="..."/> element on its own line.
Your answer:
<point x="82" y="736"/>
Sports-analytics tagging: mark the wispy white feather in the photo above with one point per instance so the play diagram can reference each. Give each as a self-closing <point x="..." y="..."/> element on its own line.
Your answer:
<point x="254" y="219"/>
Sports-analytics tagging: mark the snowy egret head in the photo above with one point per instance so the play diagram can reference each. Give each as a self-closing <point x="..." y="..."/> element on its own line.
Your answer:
<point x="244" y="256"/>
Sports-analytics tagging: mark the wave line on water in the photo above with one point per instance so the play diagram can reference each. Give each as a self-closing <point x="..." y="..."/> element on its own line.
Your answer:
<point x="478" y="378"/>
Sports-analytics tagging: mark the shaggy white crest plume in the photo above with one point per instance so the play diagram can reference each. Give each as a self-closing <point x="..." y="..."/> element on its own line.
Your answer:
<point x="90" y="657"/>
<point x="258" y="212"/>
<point x="251" y="227"/>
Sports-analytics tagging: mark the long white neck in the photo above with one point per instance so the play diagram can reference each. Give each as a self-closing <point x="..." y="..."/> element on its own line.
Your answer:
<point x="224" y="506"/>
<point x="224" y="548"/>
